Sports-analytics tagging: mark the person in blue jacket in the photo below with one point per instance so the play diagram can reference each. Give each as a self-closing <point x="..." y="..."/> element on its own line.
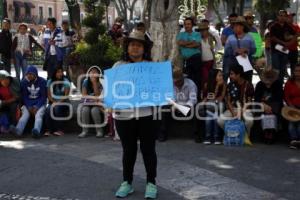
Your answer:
<point x="51" y="42"/>
<point x="34" y="98"/>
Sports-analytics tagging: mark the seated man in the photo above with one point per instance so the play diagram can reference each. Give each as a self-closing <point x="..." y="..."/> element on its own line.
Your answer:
<point x="185" y="92"/>
<point x="9" y="96"/>
<point x="34" y="98"/>
<point x="269" y="93"/>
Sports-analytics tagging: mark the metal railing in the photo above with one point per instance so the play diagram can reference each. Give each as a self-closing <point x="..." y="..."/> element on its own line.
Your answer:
<point x="38" y="56"/>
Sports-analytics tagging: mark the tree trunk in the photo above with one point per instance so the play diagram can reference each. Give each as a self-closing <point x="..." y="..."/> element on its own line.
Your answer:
<point x="123" y="6"/>
<point x="242" y="5"/>
<point x="74" y="12"/>
<point x="163" y="29"/>
<point x="146" y="15"/>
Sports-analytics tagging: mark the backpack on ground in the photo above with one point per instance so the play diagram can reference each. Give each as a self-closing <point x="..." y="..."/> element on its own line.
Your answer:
<point x="235" y="132"/>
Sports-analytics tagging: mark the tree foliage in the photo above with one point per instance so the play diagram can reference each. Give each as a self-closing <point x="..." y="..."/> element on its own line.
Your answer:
<point x="268" y="9"/>
<point x="97" y="48"/>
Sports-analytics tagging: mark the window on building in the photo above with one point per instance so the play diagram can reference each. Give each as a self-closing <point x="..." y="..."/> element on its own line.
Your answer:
<point x="17" y="12"/>
<point x="27" y="11"/>
<point x="50" y="13"/>
<point x="41" y="15"/>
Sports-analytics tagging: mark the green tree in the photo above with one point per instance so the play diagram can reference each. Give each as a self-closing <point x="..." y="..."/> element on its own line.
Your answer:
<point x="96" y="47"/>
<point x="268" y="9"/>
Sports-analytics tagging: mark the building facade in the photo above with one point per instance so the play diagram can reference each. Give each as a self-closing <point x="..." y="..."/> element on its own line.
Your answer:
<point x="34" y="12"/>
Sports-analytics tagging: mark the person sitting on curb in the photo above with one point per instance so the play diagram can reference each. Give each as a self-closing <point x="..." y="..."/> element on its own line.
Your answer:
<point x="58" y="92"/>
<point x="239" y="93"/>
<point x="214" y="93"/>
<point x="9" y="96"/>
<point x="292" y="99"/>
<point x="91" y="91"/>
<point x="185" y="92"/>
<point x="269" y="93"/>
<point x="34" y="99"/>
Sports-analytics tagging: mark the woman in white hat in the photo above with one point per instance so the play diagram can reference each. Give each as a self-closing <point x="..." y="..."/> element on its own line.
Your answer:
<point x="137" y="124"/>
<point x="292" y="99"/>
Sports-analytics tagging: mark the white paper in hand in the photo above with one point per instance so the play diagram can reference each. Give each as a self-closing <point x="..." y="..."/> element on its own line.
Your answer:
<point x="183" y="109"/>
<point x="280" y="48"/>
<point x="245" y="63"/>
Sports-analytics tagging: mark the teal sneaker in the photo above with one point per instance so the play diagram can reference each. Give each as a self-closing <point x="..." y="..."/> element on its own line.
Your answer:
<point x="151" y="191"/>
<point x="124" y="190"/>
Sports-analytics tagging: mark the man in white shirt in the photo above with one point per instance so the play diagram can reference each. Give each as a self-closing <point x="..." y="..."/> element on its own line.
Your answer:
<point x="185" y="92"/>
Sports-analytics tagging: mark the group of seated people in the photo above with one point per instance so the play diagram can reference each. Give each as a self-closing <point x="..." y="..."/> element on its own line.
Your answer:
<point x="219" y="102"/>
<point x="30" y="97"/>
<point x="268" y="103"/>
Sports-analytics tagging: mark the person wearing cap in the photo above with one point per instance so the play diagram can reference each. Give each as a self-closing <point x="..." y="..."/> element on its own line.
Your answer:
<point x="137" y="124"/>
<point x="293" y="47"/>
<point x="6" y="43"/>
<point x="51" y="41"/>
<point x="269" y="93"/>
<point x="189" y="43"/>
<point x="9" y="96"/>
<point x="91" y="91"/>
<point x="229" y="29"/>
<point x="239" y="44"/>
<point x="249" y="17"/>
<point x="22" y="49"/>
<point x="208" y="55"/>
<point x="185" y="92"/>
<point x="292" y="99"/>
<point x="34" y="99"/>
<point x="214" y="33"/>
<point x="282" y="36"/>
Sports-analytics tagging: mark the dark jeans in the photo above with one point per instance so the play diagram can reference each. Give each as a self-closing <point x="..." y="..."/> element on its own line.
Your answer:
<point x="58" y="111"/>
<point x="293" y="59"/>
<point x="144" y="129"/>
<point x="193" y="69"/>
<point x="7" y="66"/>
<point x="248" y="76"/>
<point x="51" y="64"/>
<point x="10" y="110"/>
<point x="279" y="62"/>
<point x="167" y="120"/>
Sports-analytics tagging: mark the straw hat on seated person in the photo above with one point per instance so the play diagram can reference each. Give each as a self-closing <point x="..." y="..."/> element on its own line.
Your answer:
<point x="291" y="114"/>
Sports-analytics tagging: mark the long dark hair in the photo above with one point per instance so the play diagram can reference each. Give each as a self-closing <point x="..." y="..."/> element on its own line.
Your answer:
<point x="89" y="82"/>
<point x="53" y="79"/>
<point x="211" y="82"/>
<point x="146" y="55"/>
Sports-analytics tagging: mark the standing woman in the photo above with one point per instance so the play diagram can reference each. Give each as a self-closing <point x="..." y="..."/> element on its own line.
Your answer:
<point x="138" y="124"/>
<point x="239" y="44"/>
<point x="22" y="49"/>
